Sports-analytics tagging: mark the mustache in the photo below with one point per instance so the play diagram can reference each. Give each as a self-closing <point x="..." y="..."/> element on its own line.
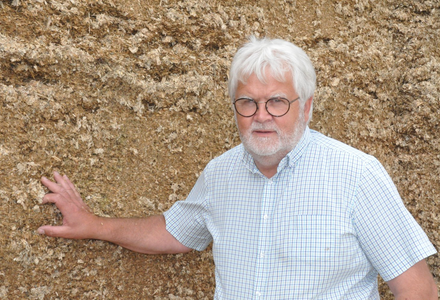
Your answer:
<point x="263" y="126"/>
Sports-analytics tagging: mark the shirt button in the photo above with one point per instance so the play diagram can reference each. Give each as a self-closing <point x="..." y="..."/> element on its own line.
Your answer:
<point x="258" y="294"/>
<point x="262" y="254"/>
<point x="265" y="217"/>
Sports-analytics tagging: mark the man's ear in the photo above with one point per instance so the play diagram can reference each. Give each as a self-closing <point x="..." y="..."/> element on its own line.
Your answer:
<point x="308" y="109"/>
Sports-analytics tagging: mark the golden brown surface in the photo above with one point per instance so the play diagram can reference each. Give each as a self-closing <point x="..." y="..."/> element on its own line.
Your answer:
<point x="129" y="99"/>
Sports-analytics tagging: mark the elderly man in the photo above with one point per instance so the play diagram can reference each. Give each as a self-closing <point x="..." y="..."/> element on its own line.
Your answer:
<point x="292" y="214"/>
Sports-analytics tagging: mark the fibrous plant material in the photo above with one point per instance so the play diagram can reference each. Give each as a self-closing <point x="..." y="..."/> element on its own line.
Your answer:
<point x="129" y="99"/>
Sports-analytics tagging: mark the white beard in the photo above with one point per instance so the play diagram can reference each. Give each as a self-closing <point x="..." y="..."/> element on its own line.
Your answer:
<point x="273" y="147"/>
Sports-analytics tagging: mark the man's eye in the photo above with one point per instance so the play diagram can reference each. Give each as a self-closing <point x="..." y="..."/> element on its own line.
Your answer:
<point x="276" y="100"/>
<point x="246" y="101"/>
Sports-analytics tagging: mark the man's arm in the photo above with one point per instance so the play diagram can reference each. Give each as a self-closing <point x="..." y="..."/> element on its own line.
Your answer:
<point x="147" y="235"/>
<point x="414" y="284"/>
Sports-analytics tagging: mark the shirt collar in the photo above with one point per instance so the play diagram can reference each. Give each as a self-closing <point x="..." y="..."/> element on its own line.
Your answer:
<point x="295" y="154"/>
<point x="289" y="160"/>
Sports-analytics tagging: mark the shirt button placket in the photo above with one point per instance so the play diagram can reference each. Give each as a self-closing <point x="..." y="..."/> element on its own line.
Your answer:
<point x="264" y="238"/>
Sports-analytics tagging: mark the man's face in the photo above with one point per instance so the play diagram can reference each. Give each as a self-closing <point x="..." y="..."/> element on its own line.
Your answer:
<point x="265" y="135"/>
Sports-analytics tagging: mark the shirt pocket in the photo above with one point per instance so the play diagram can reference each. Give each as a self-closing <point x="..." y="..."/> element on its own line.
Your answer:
<point x="325" y="240"/>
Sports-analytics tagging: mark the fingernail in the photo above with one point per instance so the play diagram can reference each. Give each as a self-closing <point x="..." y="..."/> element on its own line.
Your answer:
<point x="44" y="178"/>
<point x="40" y="231"/>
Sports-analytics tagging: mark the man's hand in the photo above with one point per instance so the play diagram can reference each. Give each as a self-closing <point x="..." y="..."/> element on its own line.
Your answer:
<point x="146" y="235"/>
<point x="77" y="218"/>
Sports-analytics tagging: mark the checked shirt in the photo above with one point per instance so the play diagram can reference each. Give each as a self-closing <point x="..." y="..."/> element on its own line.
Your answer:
<point x="323" y="227"/>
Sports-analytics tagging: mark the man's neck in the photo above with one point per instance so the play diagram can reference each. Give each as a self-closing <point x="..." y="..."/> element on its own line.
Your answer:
<point x="268" y="165"/>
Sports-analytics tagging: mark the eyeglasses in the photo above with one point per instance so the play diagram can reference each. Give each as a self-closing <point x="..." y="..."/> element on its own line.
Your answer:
<point x="276" y="107"/>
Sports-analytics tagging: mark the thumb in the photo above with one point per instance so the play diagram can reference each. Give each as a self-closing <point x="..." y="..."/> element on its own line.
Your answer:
<point x="53" y="231"/>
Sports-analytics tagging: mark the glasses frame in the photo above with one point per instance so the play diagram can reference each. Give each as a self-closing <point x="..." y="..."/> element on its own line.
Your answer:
<point x="265" y="105"/>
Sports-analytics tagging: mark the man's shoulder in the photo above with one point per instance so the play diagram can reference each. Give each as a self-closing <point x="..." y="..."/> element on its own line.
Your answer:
<point x="326" y="144"/>
<point x="325" y="152"/>
<point x="227" y="158"/>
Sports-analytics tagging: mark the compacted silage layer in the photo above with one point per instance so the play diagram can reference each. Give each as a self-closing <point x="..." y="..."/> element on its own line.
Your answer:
<point x="129" y="99"/>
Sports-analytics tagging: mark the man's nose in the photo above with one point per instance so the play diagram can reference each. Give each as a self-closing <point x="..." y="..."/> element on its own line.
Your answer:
<point x="262" y="115"/>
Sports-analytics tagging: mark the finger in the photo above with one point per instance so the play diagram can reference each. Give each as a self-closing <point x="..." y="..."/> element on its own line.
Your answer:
<point x="65" y="204"/>
<point x="54" y="231"/>
<point x="61" y="181"/>
<point x="76" y="196"/>
<point x="65" y="186"/>
<point x="57" y="199"/>
<point x="72" y="186"/>
<point x="52" y="186"/>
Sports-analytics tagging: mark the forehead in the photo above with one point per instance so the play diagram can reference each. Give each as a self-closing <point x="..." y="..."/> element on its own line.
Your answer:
<point x="267" y="85"/>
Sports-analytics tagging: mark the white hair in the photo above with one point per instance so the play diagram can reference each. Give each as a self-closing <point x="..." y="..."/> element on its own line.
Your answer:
<point x="280" y="56"/>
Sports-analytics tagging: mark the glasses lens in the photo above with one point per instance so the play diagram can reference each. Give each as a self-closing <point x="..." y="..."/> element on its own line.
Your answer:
<point x="277" y="106"/>
<point x="245" y="107"/>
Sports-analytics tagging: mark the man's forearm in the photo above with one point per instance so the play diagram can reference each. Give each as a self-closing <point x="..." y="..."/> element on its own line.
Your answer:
<point x="145" y="235"/>
<point x="431" y="296"/>
<point x="429" y="292"/>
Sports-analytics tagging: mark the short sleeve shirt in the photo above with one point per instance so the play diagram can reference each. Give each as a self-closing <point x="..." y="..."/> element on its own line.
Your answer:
<point x="322" y="227"/>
